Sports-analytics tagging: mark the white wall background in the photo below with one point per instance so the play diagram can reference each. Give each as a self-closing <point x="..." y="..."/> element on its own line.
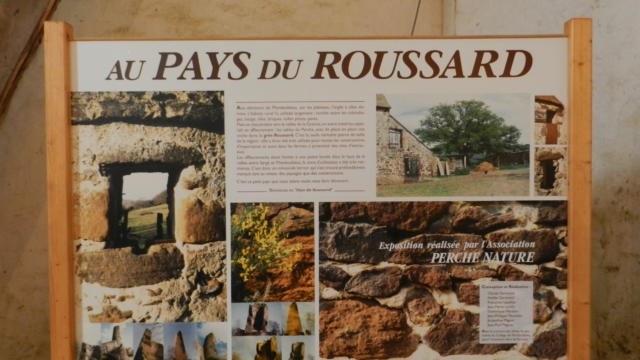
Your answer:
<point x="616" y="145"/>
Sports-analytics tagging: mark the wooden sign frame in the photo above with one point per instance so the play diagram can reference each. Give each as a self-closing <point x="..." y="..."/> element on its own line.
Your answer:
<point x="57" y="36"/>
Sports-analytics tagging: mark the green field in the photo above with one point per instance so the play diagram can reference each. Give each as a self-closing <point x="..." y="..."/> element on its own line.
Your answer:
<point x="513" y="182"/>
<point x="142" y="222"/>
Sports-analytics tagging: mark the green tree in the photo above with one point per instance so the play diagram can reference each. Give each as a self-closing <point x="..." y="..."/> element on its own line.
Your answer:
<point x="467" y="127"/>
<point x="258" y="246"/>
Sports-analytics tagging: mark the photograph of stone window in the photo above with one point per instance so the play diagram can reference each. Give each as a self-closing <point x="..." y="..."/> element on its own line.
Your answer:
<point x="452" y="145"/>
<point x="551" y="127"/>
<point x="149" y="206"/>
<point x="272" y="252"/>
<point x="401" y="280"/>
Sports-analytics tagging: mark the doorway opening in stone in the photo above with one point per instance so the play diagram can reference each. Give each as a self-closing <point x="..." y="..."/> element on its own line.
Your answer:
<point x="141" y="204"/>
<point x="548" y="174"/>
<point x="411" y="169"/>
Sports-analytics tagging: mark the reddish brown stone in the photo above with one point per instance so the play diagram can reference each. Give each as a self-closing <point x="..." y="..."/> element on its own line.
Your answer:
<point x="345" y="242"/>
<point x="348" y="211"/>
<point x="111" y="314"/>
<point x="121" y="268"/>
<point x="295" y="219"/>
<point x="546" y="243"/>
<point x="364" y="330"/>
<point x="550" y="344"/>
<point x="92" y="221"/>
<point x="553" y="215"/>
<point x="545" y="303"/>
<point x="422" y="307"/>
<point x="541" y="312"/>
<point x="457" y="333"/>
<point x="382" y="282"/>
<point x="509" y="273"/>
<point x="148" y="349"/>
<point x="553" y="277"/>
<point x="469" y="293"/>
<point x="434" y="276"/>
<point x="406" y="216"/>
<point x="467" y="217"/>
<point x="179" y="350"/>
<point x="268" y="350"/>
<point x="333" y="276"/>
<point x="561" y="261"/>
<point x="198" y="222"/>
<point x="296" y="284"/>
<point x="471" y="272"/>
<point x="493" y="223"/>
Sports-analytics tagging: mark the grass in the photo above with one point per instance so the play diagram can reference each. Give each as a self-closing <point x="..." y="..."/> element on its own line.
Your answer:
<point x="510" y="182"/>
<point x="142" y="222"/>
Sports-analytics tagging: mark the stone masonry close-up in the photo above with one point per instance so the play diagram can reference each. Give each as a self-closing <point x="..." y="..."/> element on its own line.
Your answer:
<point x="405" y="305"/>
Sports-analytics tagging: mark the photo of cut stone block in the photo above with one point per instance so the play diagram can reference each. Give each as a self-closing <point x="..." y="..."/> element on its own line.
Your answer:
<point x="115" y="342"/>
<point x="257" y="348"/>
<point x="149" y="206"/>
<point x="401" y="280"/>
<point x="551" y="127"/>
<point x="211" y="341"/>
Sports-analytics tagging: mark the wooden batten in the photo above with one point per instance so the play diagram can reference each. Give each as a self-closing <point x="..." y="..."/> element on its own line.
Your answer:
<point x="579" y="33"/>
<point x="59" y="199"/>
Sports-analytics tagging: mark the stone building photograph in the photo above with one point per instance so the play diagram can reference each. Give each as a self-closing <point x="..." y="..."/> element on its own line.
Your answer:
<point x="401" y="155"/>
<point x="452" y="145"/>
<point x="149" y="206"/>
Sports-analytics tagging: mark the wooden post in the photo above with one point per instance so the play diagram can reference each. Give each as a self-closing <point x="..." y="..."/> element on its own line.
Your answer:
<point x="578" y="32"/>
<point x="59" y="201"/>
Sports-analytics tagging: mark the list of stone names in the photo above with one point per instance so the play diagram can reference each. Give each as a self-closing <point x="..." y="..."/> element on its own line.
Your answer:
<point x="506" y="312"/>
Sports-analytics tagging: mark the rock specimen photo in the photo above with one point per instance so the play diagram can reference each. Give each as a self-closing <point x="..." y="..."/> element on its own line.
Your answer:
<point x="149" y="207"/>
<point x="272" y="252"/>
<point x="170" y="341"/>
<point x="273" y="348"/>
<point x="261" y="319"/>
<point x="116" y="347"/>
<point x="402" y="279"/>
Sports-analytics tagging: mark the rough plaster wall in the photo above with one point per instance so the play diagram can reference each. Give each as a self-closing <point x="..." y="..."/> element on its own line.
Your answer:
<point x="23" y="258"/>
<point x="616" y="149"/>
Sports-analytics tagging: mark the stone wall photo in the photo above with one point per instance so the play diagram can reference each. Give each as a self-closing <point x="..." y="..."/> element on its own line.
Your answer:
<point x="149" y="207"/>
<point x="384" y="296"/>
